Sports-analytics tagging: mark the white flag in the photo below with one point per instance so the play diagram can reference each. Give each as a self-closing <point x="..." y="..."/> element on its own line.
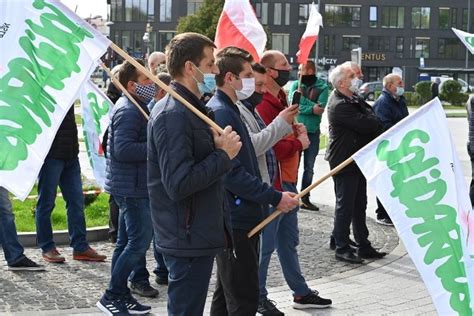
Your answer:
<point x="415" y="172"/>
<point x="46" y="53"/>
<point x="96" y="108"/>
<point x="466" y="38"/>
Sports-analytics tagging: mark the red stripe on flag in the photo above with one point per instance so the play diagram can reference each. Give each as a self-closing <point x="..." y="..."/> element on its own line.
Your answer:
<point x="227" y="34"/>
<point x="306" y="44"/>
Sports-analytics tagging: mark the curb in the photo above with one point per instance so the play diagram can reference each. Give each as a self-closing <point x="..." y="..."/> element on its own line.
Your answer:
<point x="61" y="237"/>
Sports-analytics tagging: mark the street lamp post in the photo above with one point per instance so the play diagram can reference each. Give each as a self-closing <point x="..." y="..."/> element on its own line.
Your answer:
<point x="468" y="30"/>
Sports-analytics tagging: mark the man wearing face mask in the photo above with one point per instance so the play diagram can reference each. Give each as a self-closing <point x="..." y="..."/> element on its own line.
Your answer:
<point x="247" y="197"/>
<point x="352" y="125"/>
<point x="282" y="234"/>
<point x="126" y="180"/>
<point x="313" y="101"/>
<point x="390" y="108"/>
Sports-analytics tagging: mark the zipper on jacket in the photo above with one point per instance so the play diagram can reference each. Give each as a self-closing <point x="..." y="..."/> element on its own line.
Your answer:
<point x="189" y="217"/>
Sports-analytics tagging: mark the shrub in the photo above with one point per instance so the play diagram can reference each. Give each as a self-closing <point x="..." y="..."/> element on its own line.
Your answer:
<point x="451" y="92"/>
<point x="412" y="98"/>
<point x="377" y="94"/>
<point x="423" y="89"/>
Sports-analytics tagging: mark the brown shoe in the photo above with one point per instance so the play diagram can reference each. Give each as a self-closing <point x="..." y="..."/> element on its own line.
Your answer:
<point x="53" y="256"/>
<point x="88" y="255"/>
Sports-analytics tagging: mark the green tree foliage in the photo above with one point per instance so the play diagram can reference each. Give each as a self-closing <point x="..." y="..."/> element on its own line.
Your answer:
<point x="451" y="92"/>
<point x="423" y="89"/>
<point x="204" y="21"/>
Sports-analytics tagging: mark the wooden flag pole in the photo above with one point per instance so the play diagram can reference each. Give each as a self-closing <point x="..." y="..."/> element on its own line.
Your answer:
<point x="165" y="87"/>
<point x="122" y="88"/>
<point x="275" y="214"/>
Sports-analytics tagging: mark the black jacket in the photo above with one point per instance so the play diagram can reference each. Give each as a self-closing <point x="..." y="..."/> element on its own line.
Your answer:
<point x="352" y="125"/>
<point x="66" y="144"/>
<point x="247" y="197"/>
<point x="185" y="180"/>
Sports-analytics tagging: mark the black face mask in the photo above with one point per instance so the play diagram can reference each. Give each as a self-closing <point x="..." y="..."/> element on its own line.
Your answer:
<point x="283" y="77"/>
<point x="308" y="80"/>
<point x="255" y="99"/>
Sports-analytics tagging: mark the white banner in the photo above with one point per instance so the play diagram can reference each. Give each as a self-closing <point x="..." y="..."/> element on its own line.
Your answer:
<point x="96" y="108"/>
<point x="414" y="170"/>
<point x="466" y="38"/>
<point x="46" y="53"/>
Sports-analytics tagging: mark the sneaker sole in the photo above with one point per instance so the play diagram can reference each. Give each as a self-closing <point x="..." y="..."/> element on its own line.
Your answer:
<point x="139" y="312"/>
<point x="54" y="260"/>
<point x="307" y="306"/>
<point x="383" y="223"/>
<point x="103" y="309"/>
<point x="79" y="258"/>
<point x="26" y="269"/>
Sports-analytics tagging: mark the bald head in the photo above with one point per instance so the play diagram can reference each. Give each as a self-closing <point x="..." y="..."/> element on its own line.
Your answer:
<point x="271" y="57"/>
<point x="155" y="59"/>
<point x="392" y="83"/>
<point x="278" y="69"/>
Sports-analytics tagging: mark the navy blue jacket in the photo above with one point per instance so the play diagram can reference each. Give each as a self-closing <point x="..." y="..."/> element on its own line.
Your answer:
<point x="247" y="197"/>
<point x="185" y="180"/>
<point x="389" y="110"/>
<point x="126" y="151"/>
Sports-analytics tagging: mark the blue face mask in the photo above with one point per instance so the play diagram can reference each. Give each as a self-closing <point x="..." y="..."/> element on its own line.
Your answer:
<point x="208" y="85"/>
<point x="400" y="91"/>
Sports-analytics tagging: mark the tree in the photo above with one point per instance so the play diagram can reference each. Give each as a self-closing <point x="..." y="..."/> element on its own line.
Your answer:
<point x="204" y="21"/>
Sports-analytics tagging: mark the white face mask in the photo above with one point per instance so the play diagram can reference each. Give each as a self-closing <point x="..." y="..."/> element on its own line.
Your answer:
<point x="248" y="88"/>
<point x="355" y="84"/>
<point x="400" y="91"/>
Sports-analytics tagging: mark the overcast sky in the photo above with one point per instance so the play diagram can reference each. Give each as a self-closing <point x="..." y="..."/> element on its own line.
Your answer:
<point x="86" y="8"/>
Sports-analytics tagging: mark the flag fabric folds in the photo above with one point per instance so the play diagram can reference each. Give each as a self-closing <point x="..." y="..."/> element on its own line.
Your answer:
<point x="51" y="52"/>
<point x="414" y="170"/>
<point x="466" y="38"/>
<point x="238" y="26"/>
<point x="310" y="35"/>
<point x="96" y="109"/>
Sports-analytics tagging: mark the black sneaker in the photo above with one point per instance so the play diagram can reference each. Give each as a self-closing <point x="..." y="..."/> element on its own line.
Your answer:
<point x="306" y="204"/>
<point x="135" y="308"/>
<point x="25" y="264"/>
<point x="112" y="307"/>
<point x="145" y="290"/>
<point x="268" y="308"/>
<point x="332" y="243"/>
<point x="384" y="221"/>
<point x="161" y="281"/>
<point x="312" y="300"/>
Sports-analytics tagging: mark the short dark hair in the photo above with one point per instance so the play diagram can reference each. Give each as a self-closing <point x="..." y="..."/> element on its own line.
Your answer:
<point x="310" y="65"/>
<point x="128" y="72"/>
<point x="164" y="77"/>
<point x="257" y="67"/>
<point x="183" y="47"/>
<point x="231" y="59"/>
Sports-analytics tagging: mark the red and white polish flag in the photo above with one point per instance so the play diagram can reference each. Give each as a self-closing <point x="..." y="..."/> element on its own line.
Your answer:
<point x="310" y="35"/>
<point x="238" y="26"/>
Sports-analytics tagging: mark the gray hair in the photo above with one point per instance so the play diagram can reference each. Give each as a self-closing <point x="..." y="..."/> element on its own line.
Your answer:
<point x="351" y="64"/>
<point x="338" y="73"/>
<point x="389" y="79"/>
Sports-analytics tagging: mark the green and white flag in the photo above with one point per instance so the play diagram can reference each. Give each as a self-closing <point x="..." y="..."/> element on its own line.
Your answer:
<point x="415" y="172"/>
<point x="96" y="108"/>
<point x="466" y="38"/>
<point x="46" y="53"/>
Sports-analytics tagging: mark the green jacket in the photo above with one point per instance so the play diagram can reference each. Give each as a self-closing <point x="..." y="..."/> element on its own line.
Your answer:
<point x="306" y="115"/>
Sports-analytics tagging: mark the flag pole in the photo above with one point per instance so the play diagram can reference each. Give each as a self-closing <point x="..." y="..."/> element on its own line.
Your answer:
<point x="165" y="87"/>
<point x="125" y="91"/>
<point x="275" y="214"/>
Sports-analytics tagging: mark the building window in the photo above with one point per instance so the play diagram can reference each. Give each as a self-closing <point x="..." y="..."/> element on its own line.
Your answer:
<point x="373" y="16"/>
<point x="128" y="10"/>
<point x="303" y="14"/>
<point x="448" y="48"/>
<point x="393" y="17"/>
<point x="151" y="11"/>
<point x="262" y="12"/>
<point x="277" y="14"/>
<point x="350" y="42"/>
<point x="420" y="18"/>
<point x="329" y="45"/>
<point x="165" y="10"/>
<point x="339" y="15"/>
<point x="281" y="42"/>
<point x="379" y="43"/>
<point x="421" y="47"/>
<point x="116" y="10"/>
<point x="115" y="35"/>
<point x="399" y="45"/>
<point x="447" y="18"/>
<point x="138" y="41"/>
<point x="287" y="14"/>
<point x="165" y="38"/>
<point x="465" y="18"/>
<point x="194" y="5"/>
<point x="127" y="41"/>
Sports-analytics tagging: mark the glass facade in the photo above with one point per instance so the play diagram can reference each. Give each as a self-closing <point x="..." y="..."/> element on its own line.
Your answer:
<point x="329" y="47"/>
<point x="261" y="9"/>
<point x="341" y="15"/>
<point x="165" y="10"/>
<point x="379" y="43"/>
<point x="373" y="16"/>
<point x="393" y="17"/>
<point x="277" y="14"/>
<point x="399" y="47"/>
<point x="281" y="42"/>
<point x="447" y="18"/>
<point x="193" y="6"/>
<point x="350" y="42"/>
<point x="420" y="18"/>
<point x="449" y="48"/>
<point x="421" y="47"/>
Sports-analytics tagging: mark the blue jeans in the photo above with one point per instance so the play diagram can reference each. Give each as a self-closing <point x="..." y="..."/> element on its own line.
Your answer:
<point x="133" y="240"/>
<point x="282" y="234"/>
<point x="309" y="157"/>
<point x="188" y="284"/>
<point x="66" y="174"/>
<point x="160" y="271"/>
<point x="8" y="237"/>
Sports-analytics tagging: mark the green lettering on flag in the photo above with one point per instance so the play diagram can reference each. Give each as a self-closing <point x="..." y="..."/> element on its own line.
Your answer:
<point x="469" y="40"/>
<point x="25" y="102"/>
<point x="98" y="111"/>
<point x="438" y="232"/>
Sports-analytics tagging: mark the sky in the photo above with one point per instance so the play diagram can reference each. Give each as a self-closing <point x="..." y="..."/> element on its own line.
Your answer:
<point x="86" y="8"/>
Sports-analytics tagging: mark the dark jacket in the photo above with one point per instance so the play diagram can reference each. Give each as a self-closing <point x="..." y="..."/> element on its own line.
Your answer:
<point x="66" y="144"/>
<point x="126" y="151"/>
<point x="352" y="125"/>
<point x="434" y="90"/>
<point x="247" y="197"/>
<point x="185" y="180"/>
<point x="389" y="110"/>
<point x="470" y="120"/>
